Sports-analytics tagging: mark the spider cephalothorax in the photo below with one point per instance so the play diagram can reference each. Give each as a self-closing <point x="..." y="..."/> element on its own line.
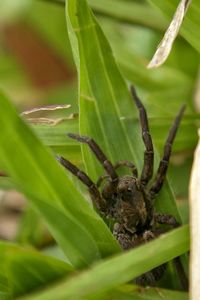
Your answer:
<point x="128" y="199"/>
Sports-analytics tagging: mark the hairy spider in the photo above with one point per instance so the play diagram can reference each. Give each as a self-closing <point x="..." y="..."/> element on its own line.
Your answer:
<point x="128" y="199"/>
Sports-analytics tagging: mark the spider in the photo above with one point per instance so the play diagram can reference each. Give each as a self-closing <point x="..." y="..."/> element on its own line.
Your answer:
<point x="128" y="199"/>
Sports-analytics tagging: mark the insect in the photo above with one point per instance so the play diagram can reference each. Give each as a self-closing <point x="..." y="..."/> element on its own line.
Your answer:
<point x="129" y="199"/>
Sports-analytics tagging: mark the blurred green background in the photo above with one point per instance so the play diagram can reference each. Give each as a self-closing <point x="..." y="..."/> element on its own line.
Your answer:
<point x="37" y="68"/>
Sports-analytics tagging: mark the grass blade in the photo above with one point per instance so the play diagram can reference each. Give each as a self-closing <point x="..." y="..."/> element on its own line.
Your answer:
<point x="121" y="268"/>
<point x="106" y="107"/>
<point x="130" y="292"/>
<point x="82" y="235"/>
<point x="25" y="269"/>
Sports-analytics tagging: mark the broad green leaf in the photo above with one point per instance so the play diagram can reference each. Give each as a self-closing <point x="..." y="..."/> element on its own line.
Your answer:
<point x="80" y="232"/>
<point x="106" y="108"/>
<point x="25" y="269"/>
<point x="190" y="27"/>
<point x="121" y="268"/>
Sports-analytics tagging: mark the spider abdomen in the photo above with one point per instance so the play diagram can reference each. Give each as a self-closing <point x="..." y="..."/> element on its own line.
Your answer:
<point x="131" y="216"/>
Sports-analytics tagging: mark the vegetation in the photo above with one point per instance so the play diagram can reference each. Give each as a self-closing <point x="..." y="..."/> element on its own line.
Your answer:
<point x="86" y="262"/>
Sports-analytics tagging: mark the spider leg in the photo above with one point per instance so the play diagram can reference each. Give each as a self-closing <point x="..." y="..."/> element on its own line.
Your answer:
<point x="166" y="219"/>
<point x="147" y="170"/>
<point x="98" y="153"/>
<point x="101" y="179"/>
<point x="162" y="169"/>
<point x="98" y="201"/>
<point x="128" y="164"/>
<point x="170" y="220"/>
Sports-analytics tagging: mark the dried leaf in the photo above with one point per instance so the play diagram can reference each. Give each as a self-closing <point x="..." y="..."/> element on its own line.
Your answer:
<point x="48" y="121"/>
<point x="53" y="122"/>
<point x="46" y="108"/>
<point x="165" y="46"/>
<point x="45" y="121"/>
<point x="195" y="226"/>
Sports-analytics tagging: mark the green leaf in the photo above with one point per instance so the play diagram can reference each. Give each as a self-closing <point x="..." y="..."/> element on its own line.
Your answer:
<point x="130" y="292"/>
<point x="80" y="232"/>
<point x="186" y="138"/>
<point x="133" y="47"/>
<point x="106" y="108"/>
<point x="130" y="12"/>
<point x="25" y="269"/>
<point x="55" y="137"/>
<point x="121" y="268"/>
